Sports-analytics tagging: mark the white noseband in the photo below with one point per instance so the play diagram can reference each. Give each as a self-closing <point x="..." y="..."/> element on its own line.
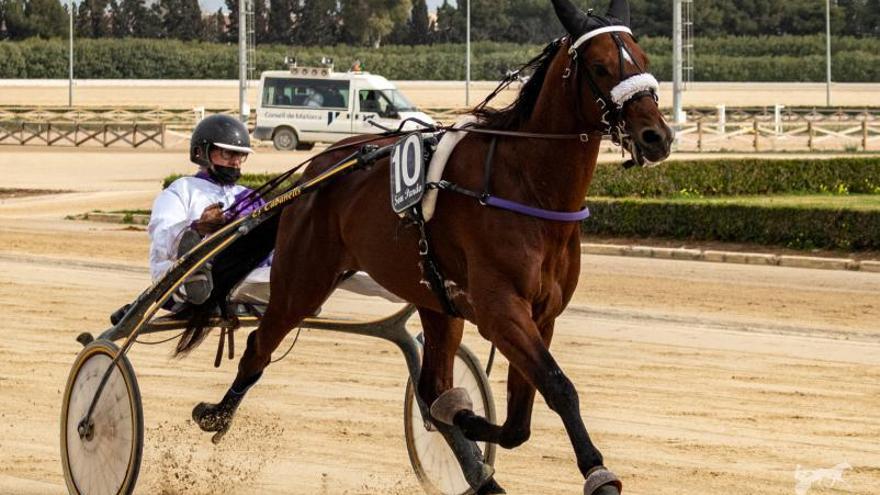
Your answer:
<point x="628" y="88"/>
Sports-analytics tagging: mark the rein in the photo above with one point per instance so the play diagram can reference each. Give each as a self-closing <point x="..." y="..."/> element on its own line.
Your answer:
<point x="255" y="197"/>
<point x="583" y="137"/>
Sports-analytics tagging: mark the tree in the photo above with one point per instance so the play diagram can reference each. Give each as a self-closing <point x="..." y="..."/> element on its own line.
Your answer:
<point x="419" y="28"/>
<point x="872" y="21"/>
<point x="369" y="21"/>
<point x="151" y="24"/>
<point x="98" y="18"/>
<point x="280" y="21"/>
<point x="317" y="23"/>
<point x="215" y="27"/>
<point x="29" y="18"/>
<point x="128" y="18"/>
<point x="450" y="24"/>
<point x="232" y="21"/>
<point x="83" y="20"/>
<point x="261" y="21"/>
<point x="181" y="19"/>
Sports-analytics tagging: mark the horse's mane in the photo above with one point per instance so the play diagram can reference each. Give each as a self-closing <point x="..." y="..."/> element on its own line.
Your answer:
<point x="515" y="114"/>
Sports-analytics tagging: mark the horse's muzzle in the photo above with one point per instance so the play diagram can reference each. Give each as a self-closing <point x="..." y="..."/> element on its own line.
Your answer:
<point x="654" y="142"/>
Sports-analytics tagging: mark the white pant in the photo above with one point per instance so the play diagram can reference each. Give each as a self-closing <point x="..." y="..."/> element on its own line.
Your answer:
<point x="254" y="289"/>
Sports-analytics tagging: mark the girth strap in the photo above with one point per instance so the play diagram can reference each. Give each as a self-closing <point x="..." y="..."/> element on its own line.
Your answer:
<point x="506" y="204"/>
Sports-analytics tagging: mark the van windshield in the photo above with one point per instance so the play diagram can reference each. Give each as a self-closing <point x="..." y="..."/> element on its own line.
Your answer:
<point x="401" y="104"/>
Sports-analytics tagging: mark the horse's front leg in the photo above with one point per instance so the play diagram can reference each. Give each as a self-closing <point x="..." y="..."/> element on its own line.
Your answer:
<point x="516" y="429"/>
<point x="442" y="338"/>
<point x="506" y="321"/>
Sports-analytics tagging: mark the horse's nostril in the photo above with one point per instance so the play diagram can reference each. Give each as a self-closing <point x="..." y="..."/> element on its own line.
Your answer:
<point x="651" y="137"/>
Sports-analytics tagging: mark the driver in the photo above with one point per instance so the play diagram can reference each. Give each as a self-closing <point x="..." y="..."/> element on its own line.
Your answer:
<point x="191" y="208"/>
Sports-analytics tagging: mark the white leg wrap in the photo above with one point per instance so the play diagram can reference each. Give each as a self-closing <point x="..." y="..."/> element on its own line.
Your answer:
<point x="599" y="477"/>
<point x="451" y="403"/>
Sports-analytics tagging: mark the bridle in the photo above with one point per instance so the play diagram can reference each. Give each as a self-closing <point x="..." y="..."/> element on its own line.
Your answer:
<point x="631" y="86"/>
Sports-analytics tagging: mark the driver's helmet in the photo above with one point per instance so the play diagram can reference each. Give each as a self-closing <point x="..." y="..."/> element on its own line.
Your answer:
<point x="218" y="130"/>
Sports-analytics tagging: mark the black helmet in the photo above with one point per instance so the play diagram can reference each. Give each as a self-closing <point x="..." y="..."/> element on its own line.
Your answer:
<point x="218" y="130"/>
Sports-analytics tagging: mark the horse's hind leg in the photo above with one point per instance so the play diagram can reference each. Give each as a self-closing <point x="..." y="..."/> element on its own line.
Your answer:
<point x="442" y="338"/>
<point x="295" y="294"/>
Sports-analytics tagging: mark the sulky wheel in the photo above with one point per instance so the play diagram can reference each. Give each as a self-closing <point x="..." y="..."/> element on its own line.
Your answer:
<point x="430" y="456"/>
<point x="103" y="456"/>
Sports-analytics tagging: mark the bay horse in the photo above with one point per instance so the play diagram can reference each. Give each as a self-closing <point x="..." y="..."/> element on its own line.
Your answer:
<point x="509" y="273"/>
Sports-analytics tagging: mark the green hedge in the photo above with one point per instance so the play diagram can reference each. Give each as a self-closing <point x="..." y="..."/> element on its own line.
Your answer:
<point x="740" y="177"/>
<point x="800" y="228"/>
<point x="788" y="58"/>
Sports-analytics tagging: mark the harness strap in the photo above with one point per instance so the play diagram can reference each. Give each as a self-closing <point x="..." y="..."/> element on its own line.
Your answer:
<point x="506" y="204"/>
<point x="584" y="137"/>
<point x="430" y="270"/>
<point x="487" y="169"/>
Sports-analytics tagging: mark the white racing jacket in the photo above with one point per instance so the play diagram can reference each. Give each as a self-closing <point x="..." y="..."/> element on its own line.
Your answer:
<point x="176" y="208"/>
<point x="183" y="202"/>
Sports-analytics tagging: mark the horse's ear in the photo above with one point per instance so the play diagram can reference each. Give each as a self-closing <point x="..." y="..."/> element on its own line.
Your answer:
<point x="619" y="9"/>
<point x="572" y="18"/>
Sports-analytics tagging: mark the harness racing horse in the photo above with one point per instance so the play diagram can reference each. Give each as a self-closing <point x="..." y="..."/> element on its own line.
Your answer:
<point x="509" y="272"/>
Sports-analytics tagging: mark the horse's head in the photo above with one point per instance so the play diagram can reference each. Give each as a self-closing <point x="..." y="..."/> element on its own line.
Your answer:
<point x="605" y="55"/>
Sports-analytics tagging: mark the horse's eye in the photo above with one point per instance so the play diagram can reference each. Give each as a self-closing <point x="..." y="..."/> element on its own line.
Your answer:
<point x="600" y="70"/>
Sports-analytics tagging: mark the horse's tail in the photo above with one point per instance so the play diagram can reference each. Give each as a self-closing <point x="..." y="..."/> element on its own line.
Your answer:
<point x="228" y="268"/>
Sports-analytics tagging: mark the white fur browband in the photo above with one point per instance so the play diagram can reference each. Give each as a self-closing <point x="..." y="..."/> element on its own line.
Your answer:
<point x="630" y="87"/>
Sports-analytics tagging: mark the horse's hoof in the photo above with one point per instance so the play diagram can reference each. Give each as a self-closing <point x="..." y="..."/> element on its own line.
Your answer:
<point x="491" y="487"/>
<point x="607" y="490"/>
<point x="450" y="403"/>
<point x="212" y="417"/>
<point x="601" y="481"/>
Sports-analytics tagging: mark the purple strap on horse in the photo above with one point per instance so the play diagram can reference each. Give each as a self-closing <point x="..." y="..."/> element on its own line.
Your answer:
<point x="506" y="204"/>
<point x="558" y="216"/>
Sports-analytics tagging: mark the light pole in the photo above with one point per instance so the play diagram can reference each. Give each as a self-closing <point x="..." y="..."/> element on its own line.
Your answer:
<point x="676" y="61"/>
<point x="242" y="60"/>
<point x="467" y="74"/>
<point x="70" y="60"/>
<point x="828" y="52"/>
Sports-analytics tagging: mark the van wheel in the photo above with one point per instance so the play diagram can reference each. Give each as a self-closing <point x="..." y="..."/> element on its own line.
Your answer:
<point x="285" y="139"/>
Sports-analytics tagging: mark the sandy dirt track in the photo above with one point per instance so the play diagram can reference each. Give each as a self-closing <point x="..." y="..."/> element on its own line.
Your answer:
<point x="430" y="94"/>
<point x="694" y="378"/>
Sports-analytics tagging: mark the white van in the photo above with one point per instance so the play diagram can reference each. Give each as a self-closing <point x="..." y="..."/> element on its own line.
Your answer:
<point x="303" y="105"/>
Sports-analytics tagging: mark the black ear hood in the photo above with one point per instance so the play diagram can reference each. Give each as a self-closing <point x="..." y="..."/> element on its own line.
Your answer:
<point x="578" y="23"/>
<point x="619" y="10"/>
<point x="573" y="19"/>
